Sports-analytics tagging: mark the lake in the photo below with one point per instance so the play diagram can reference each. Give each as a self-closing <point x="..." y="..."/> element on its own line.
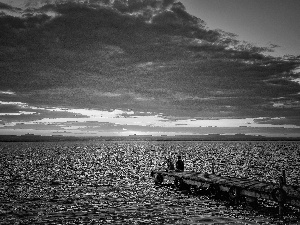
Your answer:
<point x="100" y="182"/>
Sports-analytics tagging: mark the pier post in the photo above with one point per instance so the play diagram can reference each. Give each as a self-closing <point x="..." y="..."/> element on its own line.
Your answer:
<point x="281" y="203"/>
<point x="283" y="177"/>
<point x="213" y="168"/>
<point x="194" y="165"/>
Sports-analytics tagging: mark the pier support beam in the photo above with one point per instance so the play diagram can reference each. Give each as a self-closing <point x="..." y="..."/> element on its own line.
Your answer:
<point x="281" y="197"/>
<point x="283" y="177"/>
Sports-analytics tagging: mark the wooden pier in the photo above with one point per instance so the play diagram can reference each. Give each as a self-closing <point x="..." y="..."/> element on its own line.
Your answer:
<point x="235" y="188"/>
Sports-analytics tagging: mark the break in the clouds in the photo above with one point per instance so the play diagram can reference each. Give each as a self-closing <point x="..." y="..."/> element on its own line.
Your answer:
<point x="65" y="121"/>
<point x="138" y="56"/>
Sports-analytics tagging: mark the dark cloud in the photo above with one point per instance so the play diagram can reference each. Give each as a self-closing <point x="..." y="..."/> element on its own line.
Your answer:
<point x="292" y="120"/>
<point x="9" y="108"/>
<point x="141" y="5"/>
<point x="24" y="113"/>
<point x="150" y="55"/>
<point x="5" y="6"/>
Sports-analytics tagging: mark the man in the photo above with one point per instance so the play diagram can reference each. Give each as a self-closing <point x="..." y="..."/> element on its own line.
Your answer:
<point x="170" y="165"/>
<point x="179" y="164"/>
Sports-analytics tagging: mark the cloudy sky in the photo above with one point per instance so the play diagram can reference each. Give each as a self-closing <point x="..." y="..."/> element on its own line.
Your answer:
<point x="155" y="67"/>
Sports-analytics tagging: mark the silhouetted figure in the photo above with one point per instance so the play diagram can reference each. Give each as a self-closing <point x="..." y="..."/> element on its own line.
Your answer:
<point x="179" y="164"/>
<point x="170" y="164"/>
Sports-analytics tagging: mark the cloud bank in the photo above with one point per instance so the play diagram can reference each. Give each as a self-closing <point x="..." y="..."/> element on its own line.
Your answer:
<point x="149" y="56"/>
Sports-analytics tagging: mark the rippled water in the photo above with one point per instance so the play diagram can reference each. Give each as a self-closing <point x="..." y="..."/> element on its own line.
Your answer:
<point x="109" y="182"/>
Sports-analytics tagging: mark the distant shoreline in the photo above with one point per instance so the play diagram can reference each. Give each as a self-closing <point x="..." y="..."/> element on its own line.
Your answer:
<point x="37" y="138"/>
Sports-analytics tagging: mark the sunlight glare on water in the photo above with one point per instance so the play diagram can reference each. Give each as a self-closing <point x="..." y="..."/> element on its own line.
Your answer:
<point x="109" y="182"/>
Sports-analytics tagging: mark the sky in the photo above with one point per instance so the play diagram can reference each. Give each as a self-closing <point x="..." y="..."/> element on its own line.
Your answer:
<point x="156" y="67"/>
<point x="262" y="22"/>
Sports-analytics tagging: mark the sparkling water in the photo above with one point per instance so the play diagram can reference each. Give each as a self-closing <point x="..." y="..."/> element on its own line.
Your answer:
<point x="109" y="182"/>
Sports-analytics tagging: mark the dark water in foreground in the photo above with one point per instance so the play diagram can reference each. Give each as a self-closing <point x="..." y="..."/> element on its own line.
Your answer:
<point x="109" y="183"/>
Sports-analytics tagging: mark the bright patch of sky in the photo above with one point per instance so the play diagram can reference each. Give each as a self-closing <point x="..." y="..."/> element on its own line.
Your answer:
<point x="297" y="70"/>
<point x="11" y="13"/>
<point x="7" y="93"/>
<point x="21" y="104"/>
<point x="17" y="114"/>
<point x="130" y="118"/>
<point x="22" y="14"/>
<point x="297" y="80"/>
<point x="122" y="118"/>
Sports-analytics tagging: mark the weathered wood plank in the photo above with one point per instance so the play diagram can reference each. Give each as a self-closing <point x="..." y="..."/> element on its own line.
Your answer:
<point x="248" y="187"/>
<point x="256" y="186"/>
<point x="247" y="184"/>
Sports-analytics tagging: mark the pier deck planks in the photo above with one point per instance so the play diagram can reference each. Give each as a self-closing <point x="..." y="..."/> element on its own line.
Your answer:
<point x="247" y="186"/>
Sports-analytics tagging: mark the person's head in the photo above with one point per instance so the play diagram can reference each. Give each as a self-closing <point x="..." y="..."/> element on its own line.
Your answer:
<point x="179" y="156"/>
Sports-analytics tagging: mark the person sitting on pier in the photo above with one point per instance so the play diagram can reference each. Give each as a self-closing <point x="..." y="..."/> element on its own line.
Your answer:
<point x="179" y="164"/>
<point x="170" y="165"/>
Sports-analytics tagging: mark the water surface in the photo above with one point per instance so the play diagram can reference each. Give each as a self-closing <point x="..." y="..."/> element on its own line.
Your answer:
<point x="109" y="182"/>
